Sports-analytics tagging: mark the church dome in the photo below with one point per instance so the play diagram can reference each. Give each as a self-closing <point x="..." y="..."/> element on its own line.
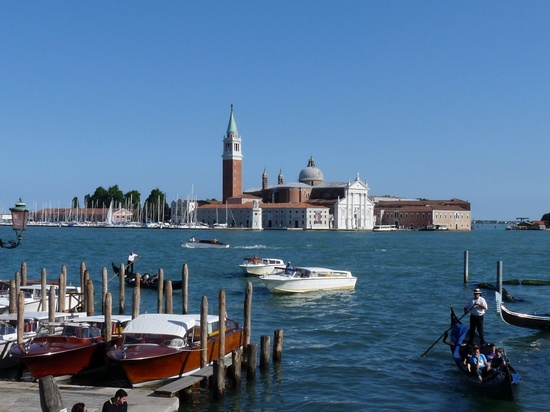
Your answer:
<point x="311" y="175"/>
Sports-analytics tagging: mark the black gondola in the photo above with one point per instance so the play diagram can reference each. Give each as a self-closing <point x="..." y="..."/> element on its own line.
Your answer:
<point x="533" y="321"/>
<point x="501" y="383"/>
<point x="147" y="281"/>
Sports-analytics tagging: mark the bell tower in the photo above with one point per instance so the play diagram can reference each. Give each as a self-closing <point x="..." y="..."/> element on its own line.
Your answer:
<point x="232" y="169"/>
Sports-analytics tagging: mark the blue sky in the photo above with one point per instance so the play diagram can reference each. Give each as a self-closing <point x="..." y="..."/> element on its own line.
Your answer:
<point x="431" y="99"/>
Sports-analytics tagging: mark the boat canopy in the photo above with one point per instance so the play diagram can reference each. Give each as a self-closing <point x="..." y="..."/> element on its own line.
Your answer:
<point x="162" y="324"/>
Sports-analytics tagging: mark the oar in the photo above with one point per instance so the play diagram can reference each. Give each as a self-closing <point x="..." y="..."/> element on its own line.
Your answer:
<point x="137" y="258"/>
<point x="443" y="334"/>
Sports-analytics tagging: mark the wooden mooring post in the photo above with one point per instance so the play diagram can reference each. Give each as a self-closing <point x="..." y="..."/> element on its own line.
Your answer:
<point x="466" y="264"/>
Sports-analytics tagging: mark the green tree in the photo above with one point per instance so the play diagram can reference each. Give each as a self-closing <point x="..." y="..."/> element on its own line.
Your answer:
<point x="115" y="194"/>
<point x="157" y="209"/>
<point x="132" y="199"/>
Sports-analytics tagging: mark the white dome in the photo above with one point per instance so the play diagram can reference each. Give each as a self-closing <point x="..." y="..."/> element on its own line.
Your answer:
<point x="311" y="175"/>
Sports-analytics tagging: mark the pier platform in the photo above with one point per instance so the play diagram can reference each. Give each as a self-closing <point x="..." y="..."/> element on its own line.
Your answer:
<point x="25" y="397"/>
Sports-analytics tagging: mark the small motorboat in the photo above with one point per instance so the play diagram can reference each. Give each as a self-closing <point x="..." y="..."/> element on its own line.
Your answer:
<point x="33" y="296"/>
<point x="32" y="323"/>
<point x="308" y="279"/>
<point x="499" y="383"/>
<point x="70" y="347"/>
<point x="157" y="346"/>
<point x="204" y="244"/>
<point x="256" y="266"/>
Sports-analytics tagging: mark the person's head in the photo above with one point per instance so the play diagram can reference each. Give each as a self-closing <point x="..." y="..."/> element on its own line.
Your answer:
<point x="477" y="293"/>
<point x="500" y="351"/>
<point x="120" y="397"/>
<point x="79" y="407"/>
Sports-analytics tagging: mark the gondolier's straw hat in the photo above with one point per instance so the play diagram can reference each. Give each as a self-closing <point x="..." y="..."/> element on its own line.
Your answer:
<point x="477" y="290"/>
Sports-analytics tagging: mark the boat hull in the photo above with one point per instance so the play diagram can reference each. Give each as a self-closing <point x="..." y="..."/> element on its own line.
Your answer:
<point x="198" y="245"/>
<point x="282" y="284"/>
<point x="144" y="363"/>
<point x="60" y="355"/>
<point x="262" y="267"/>
<point x="539" y="322"/>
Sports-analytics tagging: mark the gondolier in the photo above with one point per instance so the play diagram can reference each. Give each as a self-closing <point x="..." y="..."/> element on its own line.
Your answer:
<point x="477" y="307"/>
<point x="131" y="259"/>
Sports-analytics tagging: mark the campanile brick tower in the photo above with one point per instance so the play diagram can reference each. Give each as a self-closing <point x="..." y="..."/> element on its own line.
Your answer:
<point x="232" y="179"/>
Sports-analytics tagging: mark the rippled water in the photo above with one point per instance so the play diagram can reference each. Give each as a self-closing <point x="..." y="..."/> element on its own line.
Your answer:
<point x="357" y="350"/>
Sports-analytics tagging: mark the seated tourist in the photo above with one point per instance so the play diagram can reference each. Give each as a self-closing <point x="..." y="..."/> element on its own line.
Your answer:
<point x="479" y="365"/>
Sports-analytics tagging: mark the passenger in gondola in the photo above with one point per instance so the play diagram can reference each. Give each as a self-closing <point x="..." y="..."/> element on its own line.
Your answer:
<point x="498" y="361"/>
<point x="255" y="260"/>
<point x="492" y="352"/>
<point x="479" y="364"/>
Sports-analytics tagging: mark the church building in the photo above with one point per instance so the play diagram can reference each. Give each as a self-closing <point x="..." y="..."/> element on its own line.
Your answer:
<point x="309" y="203"/>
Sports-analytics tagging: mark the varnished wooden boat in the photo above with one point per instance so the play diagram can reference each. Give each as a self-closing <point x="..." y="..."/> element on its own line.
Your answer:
<point x="502" y="383"/>
<point x="68" y="348"/>
<point x="161" y="346"/>
<point x="531" y="321"/>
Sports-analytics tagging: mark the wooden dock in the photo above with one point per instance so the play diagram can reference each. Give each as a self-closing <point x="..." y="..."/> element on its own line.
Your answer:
<point x="171" y="389"/>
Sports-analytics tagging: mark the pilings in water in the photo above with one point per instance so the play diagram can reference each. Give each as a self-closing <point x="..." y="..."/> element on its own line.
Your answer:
<point x="244" y="358"/>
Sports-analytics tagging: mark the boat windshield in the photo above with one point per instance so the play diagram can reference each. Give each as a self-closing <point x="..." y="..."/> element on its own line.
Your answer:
<point x="6" y="329"/>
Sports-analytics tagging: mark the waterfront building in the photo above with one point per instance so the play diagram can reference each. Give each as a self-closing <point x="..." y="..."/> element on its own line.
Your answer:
<point x="310" y="203"/>
<point x="423" y="214"/>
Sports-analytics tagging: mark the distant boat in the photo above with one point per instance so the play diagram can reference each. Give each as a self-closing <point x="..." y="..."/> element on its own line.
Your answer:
<point x="434" y="228"/>
<point x="257" y="266"/>
<point x="384" y="228"/>
<point x="204" y="244"/>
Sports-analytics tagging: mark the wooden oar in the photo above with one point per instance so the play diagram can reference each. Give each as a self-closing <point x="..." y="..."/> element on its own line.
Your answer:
<point x="443" y="334"/>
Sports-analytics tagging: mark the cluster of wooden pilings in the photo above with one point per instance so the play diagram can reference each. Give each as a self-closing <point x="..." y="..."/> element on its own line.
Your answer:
<point x="215" y="376"/>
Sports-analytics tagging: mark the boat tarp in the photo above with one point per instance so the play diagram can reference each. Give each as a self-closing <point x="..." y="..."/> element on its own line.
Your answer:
<point x="161" y="324"/>
<point x="458" y="333"/>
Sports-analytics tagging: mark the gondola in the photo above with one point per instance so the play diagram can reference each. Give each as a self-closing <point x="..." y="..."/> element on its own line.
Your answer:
<point x="533" y="321"/>
<point x="501" y="383"/>
<point x="147" y="281"/>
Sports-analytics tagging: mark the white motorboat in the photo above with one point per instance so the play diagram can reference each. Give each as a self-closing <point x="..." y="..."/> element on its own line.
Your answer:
<point x="256" y="266"/>
<point x="384" y="228"/>
<point x="308" y="279"/>
<point x="33" y="298"/>
<point x="204" y="244"/>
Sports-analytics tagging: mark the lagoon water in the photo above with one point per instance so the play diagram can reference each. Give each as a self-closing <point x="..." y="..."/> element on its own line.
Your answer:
<point x="349" y="350"/>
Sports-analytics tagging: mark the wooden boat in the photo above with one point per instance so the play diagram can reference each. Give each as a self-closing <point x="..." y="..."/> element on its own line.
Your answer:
<point x="147" y="281"/>
<point x="162" y="346"/>
<point x="68" y="348"/>
<point x="502" y="383"/>
<point x="532" y="321"/>
<point x="32" y="323"/>
<point x="307" y="279"/>
<point x="256" y="266"/>
<point x="204" y="244"/>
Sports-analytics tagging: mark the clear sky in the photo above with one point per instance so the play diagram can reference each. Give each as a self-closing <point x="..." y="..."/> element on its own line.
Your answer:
<point x="424" y="99"/>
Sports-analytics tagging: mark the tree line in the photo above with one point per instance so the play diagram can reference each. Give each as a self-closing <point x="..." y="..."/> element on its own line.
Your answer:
<point x="131" y="200"/>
